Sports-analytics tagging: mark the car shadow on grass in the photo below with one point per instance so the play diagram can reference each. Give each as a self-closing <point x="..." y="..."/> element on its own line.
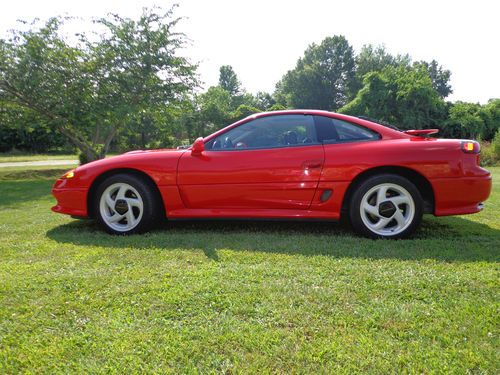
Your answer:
<point x="444" y="239"/>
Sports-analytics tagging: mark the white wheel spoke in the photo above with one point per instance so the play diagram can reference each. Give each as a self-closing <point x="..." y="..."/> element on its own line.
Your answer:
<point x="133" y="202"/>
<point x="130" y="217"/>
<point x="381" y="194"/>
<point x="110" y="202"/>
<point x="400" y="219"/>
<point x="121" y="192"/>
<point x="382" y="223"/>
<point x="371" y="209"/>
<point x="400" y="199"/>
<point x="115" y="218"/>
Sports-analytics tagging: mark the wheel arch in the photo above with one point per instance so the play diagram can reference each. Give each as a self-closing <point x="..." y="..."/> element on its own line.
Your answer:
<point x="421" y="183"/>
<point x="134" y="172"/>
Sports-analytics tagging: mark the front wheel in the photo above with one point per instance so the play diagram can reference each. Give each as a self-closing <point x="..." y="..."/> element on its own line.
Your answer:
<point x="126" y="204"/>
<point x="386" y="206"/>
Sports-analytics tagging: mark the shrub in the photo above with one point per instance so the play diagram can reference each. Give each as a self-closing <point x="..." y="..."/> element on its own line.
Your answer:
<point x="496" y="145"/>
<point x="490" y="152"/>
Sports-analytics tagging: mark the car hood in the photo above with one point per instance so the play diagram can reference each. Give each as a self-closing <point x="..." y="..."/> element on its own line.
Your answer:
<point x="137" y="156"/>
<point x="160" y="165"/>
<point x="149" y="151"/>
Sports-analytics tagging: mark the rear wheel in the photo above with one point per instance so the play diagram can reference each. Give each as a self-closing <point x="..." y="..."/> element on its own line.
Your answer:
<point x="126" y="204"/>
<point x="386" y="206"/>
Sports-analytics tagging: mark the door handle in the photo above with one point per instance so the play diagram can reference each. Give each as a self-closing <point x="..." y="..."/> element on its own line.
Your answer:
<point x="312" y="164"/>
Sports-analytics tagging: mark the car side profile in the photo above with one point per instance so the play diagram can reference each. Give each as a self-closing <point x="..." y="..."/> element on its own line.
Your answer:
<point x="296" y="164"/>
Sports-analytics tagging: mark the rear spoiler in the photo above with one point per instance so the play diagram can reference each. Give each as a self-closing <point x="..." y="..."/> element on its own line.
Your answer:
<point x="421" y="131"/>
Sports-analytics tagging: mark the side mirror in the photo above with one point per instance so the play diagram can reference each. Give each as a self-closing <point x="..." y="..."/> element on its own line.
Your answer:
<point x="198" y="146"/>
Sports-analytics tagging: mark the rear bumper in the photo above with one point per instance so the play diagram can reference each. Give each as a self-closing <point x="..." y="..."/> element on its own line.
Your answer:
<point x="70" y="201"/>
<point x="460" y="196"/>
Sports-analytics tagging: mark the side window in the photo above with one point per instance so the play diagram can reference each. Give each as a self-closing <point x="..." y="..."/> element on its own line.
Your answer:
<point x="332" y="130"/>
<point x="268" y="132"/>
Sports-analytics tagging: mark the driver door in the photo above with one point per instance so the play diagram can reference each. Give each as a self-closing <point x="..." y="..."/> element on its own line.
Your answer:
<point x="272" y="162"/>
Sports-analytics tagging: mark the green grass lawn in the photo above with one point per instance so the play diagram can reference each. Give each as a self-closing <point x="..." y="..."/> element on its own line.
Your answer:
<point x="244" y="297"/>
<point x="35" y="172"/>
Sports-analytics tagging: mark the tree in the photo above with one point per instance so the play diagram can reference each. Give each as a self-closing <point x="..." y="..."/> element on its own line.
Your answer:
<point x="23" y="129"/>
<point x="228" y="80"/>
<point x="263" y="101"/>
<point x="214" y="110"/>
<point x="243" y="111"/>
<point x="324" y="78"/>
<point x="91" y="90"/>
<point x="375" y="59"/>
<point x="40" y="72"/>
<point x="400" y="95"/>
<point x="465" y="120"/>
<point x="138" y="61"/>
<point x="439" y="76"/>
<point x="490" y="113"/>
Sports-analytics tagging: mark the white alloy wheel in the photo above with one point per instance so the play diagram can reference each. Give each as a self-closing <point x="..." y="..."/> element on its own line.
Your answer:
<point x="121" y="207"/>
<point x="387" y="209"/>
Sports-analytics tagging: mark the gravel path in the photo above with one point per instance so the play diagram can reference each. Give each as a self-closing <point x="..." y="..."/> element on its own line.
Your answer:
<point x="37" y="163"/>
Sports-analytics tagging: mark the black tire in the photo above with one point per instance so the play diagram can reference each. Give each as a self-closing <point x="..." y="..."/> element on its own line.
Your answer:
<point x="375" y="182"/>
<point x="151" y="204"/>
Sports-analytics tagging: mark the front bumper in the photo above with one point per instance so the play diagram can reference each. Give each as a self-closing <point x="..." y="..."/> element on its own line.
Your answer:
<point x="70" y="200"/>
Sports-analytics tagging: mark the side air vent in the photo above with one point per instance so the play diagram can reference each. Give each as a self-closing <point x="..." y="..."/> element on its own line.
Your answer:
<point x="326" y="195"/>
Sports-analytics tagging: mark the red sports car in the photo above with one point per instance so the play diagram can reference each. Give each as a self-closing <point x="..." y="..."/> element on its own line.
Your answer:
<point x="300" y="164"/>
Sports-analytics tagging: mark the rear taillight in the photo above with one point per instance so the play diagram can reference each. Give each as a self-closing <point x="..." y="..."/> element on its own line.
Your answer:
<point x="471" y="147"/>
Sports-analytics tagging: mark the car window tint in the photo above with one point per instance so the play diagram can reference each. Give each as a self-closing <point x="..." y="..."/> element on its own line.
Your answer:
<point x="325" y="129"/>
<point x="332" y="130"/>
<point x="268" y="132"/>
<point x="351" y="132"/>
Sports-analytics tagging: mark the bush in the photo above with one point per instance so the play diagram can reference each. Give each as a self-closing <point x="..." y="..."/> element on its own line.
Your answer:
<point x="490" y="152"/>
<point x="83" y="158"/>
<point x="496" y="145"/>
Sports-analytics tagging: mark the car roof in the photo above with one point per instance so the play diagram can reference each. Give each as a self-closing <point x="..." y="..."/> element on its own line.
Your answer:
<point x="386" y="132"/>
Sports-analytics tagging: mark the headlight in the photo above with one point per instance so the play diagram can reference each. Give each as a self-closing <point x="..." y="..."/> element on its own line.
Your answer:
<point x="69" y="174"/>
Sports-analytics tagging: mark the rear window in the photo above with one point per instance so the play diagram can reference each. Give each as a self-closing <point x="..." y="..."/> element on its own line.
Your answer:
<point x="332" y="130"/>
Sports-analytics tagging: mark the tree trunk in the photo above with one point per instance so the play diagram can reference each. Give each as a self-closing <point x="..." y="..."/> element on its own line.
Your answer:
<point x="79" y="141"/>
<point x="107" y="142"/>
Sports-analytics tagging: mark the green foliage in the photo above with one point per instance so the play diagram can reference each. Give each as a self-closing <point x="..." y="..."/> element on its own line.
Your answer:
<point x="262" y="101"/>
<point x="215" y="106"/>
<point x="375" y="59"/>
<point x="243" y="111"/>
<point x="324" y="78"/>
<point x="41" y="73"/>
<point x="439" y="76"/>
<point x="24" y="130"/>
<point x="490" y="113"/>
<point x="276" y="107"/>
<point x="496" y="144"/>
<point x="465" y="121"/>
<point x="400" y="95"/>
<point x="229" y="81"/>
<point x="490" y="151"/>
<point x="127" y="88"/>
<point x="91" y="90"/>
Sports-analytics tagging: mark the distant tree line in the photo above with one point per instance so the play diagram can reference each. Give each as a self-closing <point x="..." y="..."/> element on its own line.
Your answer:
<point x="128" y="87"/>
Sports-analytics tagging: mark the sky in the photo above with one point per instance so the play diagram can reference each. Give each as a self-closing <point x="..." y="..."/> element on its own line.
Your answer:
<point x="262" y="40"/>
